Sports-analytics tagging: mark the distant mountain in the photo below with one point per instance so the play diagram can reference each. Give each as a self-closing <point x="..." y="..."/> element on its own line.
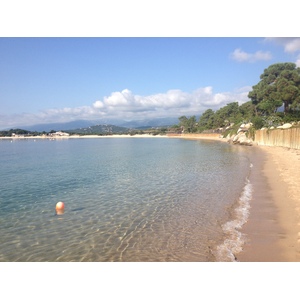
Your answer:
<point x="60" y="126"/>
<point x="134" y="124"/>
<point x="141" y="124"/>
<point x="99" y="129"/>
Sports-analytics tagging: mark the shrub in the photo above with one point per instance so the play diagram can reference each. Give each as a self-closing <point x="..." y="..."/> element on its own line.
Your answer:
<point x="258" y="122"/>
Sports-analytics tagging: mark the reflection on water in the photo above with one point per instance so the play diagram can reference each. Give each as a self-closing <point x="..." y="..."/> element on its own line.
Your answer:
<point x="125" y="199"/>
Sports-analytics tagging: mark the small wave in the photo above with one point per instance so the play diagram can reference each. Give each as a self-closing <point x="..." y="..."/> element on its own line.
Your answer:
<point x="235" y="241"/>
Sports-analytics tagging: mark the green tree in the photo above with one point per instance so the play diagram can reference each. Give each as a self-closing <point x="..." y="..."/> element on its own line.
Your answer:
<point x="247" y="111"/>
<point x="206" y="120"/>
<point x="188" y="124"/>
<point x="279" y="85"/>
<point x="227" y="114"/>
<point x="258" y="122"/>
<point x="288" y="86"/>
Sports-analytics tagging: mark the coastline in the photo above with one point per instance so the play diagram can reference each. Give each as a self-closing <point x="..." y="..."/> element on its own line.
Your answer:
<point x="273" y="228"/>
<point x="272" y="232"/>
<point x="83" y="137"/>
<point x="213" y="136"/>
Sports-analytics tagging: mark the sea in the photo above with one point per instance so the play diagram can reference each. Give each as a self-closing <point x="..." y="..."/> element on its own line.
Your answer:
<point x="126" y="199"/>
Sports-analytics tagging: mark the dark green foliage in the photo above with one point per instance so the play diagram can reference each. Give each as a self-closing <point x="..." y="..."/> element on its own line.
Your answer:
<point x="206" y="121"/>
<point x="223" y="117"/>
<point x="292" y="116"/>
<point x="258" y="122"/>
<point x="279" y="85"/>
<point x="188" y="124"/>
<point x="227" y="115"/>
<point x="102" y="130"/>
<point x="247" y="111"/>
<point x="99" y="129"/>
<point x="16" y="131"/>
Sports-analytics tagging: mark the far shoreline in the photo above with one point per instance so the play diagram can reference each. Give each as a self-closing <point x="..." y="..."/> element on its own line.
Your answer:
<point x="81" y="137"/>
<point x="213" y="136"/>
<point x="273" y="228"/>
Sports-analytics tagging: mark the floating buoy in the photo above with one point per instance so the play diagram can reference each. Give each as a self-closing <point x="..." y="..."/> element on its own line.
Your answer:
<point x="60" y="208"/>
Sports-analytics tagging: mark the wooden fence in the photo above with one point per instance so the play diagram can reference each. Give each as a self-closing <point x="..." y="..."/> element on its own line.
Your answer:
<point x="289" y="138"/>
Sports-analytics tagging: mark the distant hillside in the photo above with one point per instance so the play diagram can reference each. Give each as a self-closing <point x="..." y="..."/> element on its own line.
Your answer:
<point x="142" y="124"/>
<point x="134" y="124"/>
<point x="60" y="126"/>
<point x="99" y="129"/>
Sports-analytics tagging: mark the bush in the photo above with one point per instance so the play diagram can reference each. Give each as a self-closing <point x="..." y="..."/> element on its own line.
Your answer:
<point x="258" y="122"/>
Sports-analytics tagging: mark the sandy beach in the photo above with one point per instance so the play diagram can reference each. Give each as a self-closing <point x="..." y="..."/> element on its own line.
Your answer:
<point x="273" y="227"/>
<point x="272" y="231"/>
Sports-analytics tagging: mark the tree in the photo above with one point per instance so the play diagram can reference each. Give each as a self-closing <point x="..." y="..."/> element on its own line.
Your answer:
<point x="188" y="124"/>
<point x="279" y="85"/>
<point x="247" y="111"/>
<point x="227" y="114"/>
<point x="206" y="121"/>
<point x="288" y="86"/>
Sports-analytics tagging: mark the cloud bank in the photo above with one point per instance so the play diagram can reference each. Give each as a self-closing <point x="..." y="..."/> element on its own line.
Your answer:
<point x="242" y="56"/>
<point x="290" y="45"/>
<point x="125" y="105"/>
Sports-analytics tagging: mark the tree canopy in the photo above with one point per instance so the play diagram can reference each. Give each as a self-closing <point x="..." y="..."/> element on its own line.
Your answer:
<point x="279" y="86"/>
<point x="226" y="115"/>
<point x="188" y="124"/>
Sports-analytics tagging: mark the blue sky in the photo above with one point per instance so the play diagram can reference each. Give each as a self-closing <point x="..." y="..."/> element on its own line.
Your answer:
<point x="54" y="80"/>
<point x="44" y="80"/>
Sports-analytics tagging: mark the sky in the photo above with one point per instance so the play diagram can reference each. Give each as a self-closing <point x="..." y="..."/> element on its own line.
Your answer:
<point x="131" y="64"/>
<point x="48" y="74"/>
<point x="45" y="80"/>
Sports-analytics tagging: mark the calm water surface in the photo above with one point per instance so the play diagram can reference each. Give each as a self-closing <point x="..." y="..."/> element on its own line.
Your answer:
<point x="126" y="199"/>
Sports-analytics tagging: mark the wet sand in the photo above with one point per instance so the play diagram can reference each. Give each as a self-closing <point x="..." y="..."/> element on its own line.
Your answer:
<point x="272" y="231"/>
<point x="273" y="228"/>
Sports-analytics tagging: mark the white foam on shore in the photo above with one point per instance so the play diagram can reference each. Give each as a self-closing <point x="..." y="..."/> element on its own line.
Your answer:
<point x="233" y="244"/>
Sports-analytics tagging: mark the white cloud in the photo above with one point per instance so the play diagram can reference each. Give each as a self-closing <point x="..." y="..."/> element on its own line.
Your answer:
<point x="125" y="105"/>
<point x="290" y="44"/>
<point x="298" y="61"/>
<point x="242" y="56"/>
<point x="174" y="102"/>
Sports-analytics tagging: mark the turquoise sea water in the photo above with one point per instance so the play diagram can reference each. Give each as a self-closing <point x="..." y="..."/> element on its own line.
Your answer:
<point x="126" y="199"/>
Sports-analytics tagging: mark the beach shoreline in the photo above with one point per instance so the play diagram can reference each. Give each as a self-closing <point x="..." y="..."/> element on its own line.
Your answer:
<point x="273" y="228"/>
<point x="272" y="231"/>
<point x="212" y="136"/>
<point x="63" y="137"/>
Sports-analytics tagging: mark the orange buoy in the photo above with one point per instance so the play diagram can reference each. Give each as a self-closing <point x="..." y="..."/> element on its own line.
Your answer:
<point x="60" y="207"/>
